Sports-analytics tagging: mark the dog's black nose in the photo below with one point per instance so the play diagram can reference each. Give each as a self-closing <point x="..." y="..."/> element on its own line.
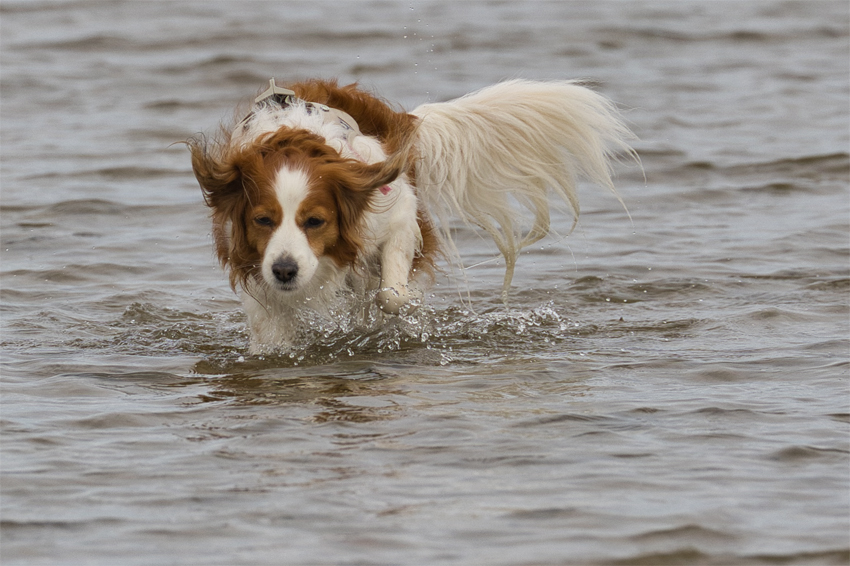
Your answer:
<point x="285" y="270"/>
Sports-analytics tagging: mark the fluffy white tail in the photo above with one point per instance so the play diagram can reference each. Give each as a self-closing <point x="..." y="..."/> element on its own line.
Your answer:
<point x="515" y="141"/>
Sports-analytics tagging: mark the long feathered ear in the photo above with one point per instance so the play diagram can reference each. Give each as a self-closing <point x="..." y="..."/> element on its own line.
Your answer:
<point x="215" y="174"/>
<point x="353" y="184"/>
<point x="376" y="175"/>
<point x="221" y="183"/>
<point x="362" y="180"/>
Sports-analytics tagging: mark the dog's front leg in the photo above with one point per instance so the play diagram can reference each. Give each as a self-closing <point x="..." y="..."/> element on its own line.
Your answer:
<point x="396" y="263"/>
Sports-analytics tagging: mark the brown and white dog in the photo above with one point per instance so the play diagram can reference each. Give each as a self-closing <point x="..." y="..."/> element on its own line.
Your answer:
<point x="322" y="188"/>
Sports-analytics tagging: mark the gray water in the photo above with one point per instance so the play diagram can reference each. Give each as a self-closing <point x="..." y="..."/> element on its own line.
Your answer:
<point x="668" y="387"/>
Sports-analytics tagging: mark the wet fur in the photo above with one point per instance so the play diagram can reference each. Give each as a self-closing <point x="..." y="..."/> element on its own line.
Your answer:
<point x="358" y="209"/>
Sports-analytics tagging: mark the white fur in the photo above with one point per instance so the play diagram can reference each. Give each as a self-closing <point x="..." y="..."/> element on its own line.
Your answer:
<point x="515" y="141"/>
<point x="289" y="239"/>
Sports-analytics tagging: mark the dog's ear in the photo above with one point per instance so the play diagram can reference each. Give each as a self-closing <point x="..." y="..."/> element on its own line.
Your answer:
<point x="361" y="181"/>
<point x="352" y="185"/>
<point x="221" y="182"/>
<point x="217" y="175"/>
<point x="379" y="174"/>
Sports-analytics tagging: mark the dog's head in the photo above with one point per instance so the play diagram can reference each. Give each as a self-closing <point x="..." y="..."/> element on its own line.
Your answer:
<point x="286" y="203"/>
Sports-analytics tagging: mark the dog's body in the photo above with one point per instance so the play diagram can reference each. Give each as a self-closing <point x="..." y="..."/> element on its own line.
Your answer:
<point x="323" y="188"/>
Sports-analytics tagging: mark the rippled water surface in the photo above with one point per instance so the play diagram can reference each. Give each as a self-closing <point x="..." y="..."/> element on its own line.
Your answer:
<point x="665" y="388"/>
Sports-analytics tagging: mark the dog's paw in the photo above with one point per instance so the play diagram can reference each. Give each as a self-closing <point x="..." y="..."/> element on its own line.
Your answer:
<point x="392" y="300"/>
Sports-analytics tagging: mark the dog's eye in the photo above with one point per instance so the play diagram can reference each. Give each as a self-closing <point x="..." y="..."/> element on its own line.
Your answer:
<point x="314" y="222"/>
<point x="264" y="221"/>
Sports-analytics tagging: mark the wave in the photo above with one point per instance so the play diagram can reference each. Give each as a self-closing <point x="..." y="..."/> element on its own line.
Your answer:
<point x="805" y="174"/>
<point x="114" y="173"/>
<point x="818" y="164"/>
<point x="735" y="36"/>
<point x="694" y="557"/>
<point x="833" y="163"/>
<point x="83" y="207"/>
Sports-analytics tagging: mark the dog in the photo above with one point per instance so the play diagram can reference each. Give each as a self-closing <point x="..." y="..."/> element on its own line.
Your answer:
<point x="322" y="188"/>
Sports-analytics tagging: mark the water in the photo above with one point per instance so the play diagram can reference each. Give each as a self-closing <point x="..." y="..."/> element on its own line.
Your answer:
<point x="670" y="389"/>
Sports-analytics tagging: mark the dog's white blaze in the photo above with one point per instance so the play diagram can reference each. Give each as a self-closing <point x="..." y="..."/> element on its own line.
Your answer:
<point x="289" y="240"/>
